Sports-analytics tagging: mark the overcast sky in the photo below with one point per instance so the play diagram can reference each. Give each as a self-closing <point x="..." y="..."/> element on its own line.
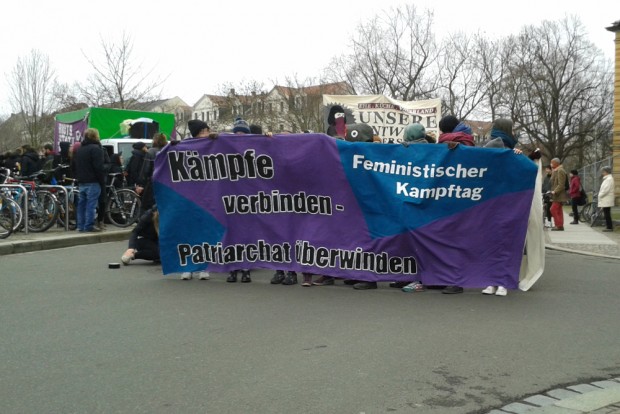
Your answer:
<point x="201" y="44"/>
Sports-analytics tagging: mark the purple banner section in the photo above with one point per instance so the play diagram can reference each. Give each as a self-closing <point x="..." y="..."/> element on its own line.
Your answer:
<point x="311" y="204"/>
<point x="69" y="132"/>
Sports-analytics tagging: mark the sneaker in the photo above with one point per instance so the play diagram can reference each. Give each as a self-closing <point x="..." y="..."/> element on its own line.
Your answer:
<point x="365" y="285"/>
<point x="489" y="290"/>
<point x="501" y="291"/>
<point x="186" y="276"/>
<point x="323" y="281"/>
<point x="574" y="222"/>
<point x="204" y="275"/>
<point x="414" y="287"/>
<point x="245" y="276"/>
<point x="398" y="285"/>
<point x="126" y="259"/>
<point x="452" y="289"/>
<point x="307" y="280"/>
<point x="290" y="279"/>
<point x="232" y="278"/>
<point x="278" y="277"/>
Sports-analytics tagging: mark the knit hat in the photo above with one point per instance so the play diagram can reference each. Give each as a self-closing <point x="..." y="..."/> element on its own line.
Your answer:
<point x="241" y="125"/>
<point x="138" y="145"/>
<point x="414" y="132"/>
<point x="195" y="126"/>
<point x="448" y="123"/>
<point x="504" y="125"/>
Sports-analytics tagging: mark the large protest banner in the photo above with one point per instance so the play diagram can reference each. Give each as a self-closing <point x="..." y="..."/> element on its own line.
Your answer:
<point x="388" y="117"/>
<point x="310" y="203"/>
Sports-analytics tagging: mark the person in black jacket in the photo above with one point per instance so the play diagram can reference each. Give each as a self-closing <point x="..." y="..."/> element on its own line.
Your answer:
<point x="30" y="161"/>
<point x="134" y="166"/>
<point x="89" y="170"/>
<point x="144" y="238"/>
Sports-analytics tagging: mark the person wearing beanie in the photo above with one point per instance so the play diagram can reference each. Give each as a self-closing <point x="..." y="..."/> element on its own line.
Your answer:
<point x="454" y="131"/>
<point x="241" y="126"/>
<point x="198" y="128"/>
<point x="416" y="133"/>
<point x="502" y="129"/>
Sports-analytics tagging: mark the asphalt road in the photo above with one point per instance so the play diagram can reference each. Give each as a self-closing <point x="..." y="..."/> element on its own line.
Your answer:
<point x="77" y="337"/>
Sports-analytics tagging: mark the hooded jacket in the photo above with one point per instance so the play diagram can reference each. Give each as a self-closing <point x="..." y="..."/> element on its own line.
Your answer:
<point x="89" y="163"/>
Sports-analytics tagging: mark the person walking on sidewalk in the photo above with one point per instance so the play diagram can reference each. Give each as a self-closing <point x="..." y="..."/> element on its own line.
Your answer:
<point x="558" y="194"/>
<point x="606" y="197"/>
<point x="575" y="194"/>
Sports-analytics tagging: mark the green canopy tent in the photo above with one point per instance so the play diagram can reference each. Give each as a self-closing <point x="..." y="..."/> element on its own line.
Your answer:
<point x="70" y="126"/>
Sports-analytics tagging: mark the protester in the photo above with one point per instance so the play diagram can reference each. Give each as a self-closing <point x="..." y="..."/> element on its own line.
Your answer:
<point x="30" y="162"/>
<point x="159" y="141"/>
<point x="144" y="239"/>
<point x="134" y="166"/>
<point x="558" y="194"/>
<point x="502" y="136"/>
<point x="241" y="126"/>
<point x="90" y="173"/>
<point x="103" y="196"/>
<point x="606" y="197"/>
<point x="575" y="194"/>
<point x="416" y="134"/>
<point x="453" y="132"/>
<point x="198" y="129"/>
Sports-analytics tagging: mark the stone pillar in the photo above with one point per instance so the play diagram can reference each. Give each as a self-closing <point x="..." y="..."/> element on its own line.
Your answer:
<point x="615" y="145"/>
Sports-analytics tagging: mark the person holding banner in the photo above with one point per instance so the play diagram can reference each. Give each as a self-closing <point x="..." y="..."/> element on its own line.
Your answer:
<point x="453" y="132"/>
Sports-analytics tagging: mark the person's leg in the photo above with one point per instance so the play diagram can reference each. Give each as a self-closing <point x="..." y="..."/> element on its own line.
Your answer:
<point x="81" y="211"/>
<point x="558" y="215"/>
<point x="609" y="225"/>
<point x="147" y="249"/>
<point x="573" y="203"/>
<point x="92" y="198"/>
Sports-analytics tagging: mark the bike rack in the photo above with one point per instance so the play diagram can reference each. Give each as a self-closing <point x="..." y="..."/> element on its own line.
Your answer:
<point x="25" y="203"/>
<point x="63" y="189"/>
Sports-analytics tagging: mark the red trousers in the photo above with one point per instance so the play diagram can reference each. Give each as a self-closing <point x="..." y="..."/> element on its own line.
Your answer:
<point x="558" y="214"/>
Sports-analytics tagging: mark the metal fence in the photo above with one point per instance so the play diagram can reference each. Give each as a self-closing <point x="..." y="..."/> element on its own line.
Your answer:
<point x="591" y="174"/>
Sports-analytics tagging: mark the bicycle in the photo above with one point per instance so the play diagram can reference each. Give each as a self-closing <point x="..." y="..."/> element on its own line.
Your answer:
<point x="123" y="205"/>
<point x="42" y="205"/>
<point x="591" y="212"/>
<point x="7" y="216"/>
<point x="67" y="210"/>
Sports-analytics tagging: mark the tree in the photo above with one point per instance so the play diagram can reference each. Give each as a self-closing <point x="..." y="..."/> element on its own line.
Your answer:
<point x="558" y="87"/>
<point x="462" y="82"/>
<point x="31" y="94"/>
<point x="118" y="80"/>
<point x="393" y="54"/>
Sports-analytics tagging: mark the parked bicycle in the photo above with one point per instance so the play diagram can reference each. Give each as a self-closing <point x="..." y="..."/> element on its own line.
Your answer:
<point x="591" y="212"/>
<point x="123" y="205"/>
<point x="7" y="216"/>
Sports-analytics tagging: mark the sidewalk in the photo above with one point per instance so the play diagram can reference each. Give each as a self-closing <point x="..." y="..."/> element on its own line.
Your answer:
<point x="583" y="239"/>
<point x="57" y="238"/>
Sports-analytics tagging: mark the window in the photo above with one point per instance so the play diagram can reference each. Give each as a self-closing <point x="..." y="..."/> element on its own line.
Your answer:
<point x="281" y="106"/>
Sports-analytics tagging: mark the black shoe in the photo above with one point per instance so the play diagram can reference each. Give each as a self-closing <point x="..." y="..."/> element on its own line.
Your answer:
<point x="232" y="278"/>
<point x="290" y="279"/>
<point x="323" y="281"/>
<point x="574" y="222"/>
<point x="365" y="285"/>
<point x="245" y="276"/>
<point x="278" y="277"/>
<point x="350" y="282"/>
<point x="398" y="285"/>
<point x="452" y="289"/>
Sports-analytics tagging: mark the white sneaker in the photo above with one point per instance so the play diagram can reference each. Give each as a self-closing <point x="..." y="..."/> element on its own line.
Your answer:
<point x="489" y="290"/>
<point x="126" y="259"/>
<point x="501" y="291"/>
<point x="204" y="275"/>
<point x="186" y="276"/>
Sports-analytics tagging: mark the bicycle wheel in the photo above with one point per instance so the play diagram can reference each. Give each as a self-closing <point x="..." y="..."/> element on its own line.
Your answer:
<point x="42" y="211"/>
<point x="7" y="217"/>
<point x="62" y="214"/>
<point x="586" y="213"/>
<point x="17" y="212"/>
<point x="123" y="207"/>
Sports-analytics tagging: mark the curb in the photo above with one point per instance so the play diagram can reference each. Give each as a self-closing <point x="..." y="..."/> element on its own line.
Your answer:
<point x="25" y="246"/>
<point x="581" y="252"/>
<point x="573" y="399"/>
